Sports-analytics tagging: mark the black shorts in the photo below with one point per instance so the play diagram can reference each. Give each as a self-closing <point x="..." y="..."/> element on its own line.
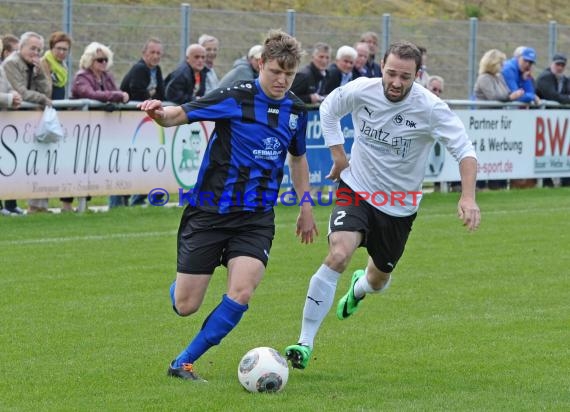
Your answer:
<point x="207" y="240"/>
<point x="385" y="236"/>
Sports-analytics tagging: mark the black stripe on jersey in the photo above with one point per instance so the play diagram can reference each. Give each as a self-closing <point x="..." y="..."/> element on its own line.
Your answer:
<point x="262" y="196"/>
<point x="273" y="115"/>
<point x="239" y="185"/>
<point x="247" y="108"/>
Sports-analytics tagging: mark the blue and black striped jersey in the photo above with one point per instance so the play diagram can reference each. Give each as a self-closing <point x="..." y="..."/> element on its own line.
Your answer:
<point x="243" y="164"/>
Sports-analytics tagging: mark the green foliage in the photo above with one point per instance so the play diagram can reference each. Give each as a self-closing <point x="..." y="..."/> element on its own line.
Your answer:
<point x="473" y="10"/>
<point x="472" y="321"/>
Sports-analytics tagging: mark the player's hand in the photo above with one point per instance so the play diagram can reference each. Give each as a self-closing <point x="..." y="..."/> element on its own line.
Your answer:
<point x="153" y="108"/>
<point x="306" y="226"/>
<point x="337" y="167"/>
<point x="469" y="213"/>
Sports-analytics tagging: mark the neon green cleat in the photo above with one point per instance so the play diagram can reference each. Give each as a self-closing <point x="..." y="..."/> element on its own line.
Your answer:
<point x="348" y="304"/>
<point x="298" y="355"/>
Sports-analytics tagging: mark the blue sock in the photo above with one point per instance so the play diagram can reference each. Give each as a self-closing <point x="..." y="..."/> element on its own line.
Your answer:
<point x="217" y="325"/>
<point x="172" y="287"/>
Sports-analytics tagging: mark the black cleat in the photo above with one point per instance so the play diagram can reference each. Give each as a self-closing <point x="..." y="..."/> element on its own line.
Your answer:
<point x="186" y="372"/>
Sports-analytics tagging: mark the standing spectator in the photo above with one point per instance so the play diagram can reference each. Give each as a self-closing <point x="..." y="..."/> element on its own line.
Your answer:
<point x="95" y="81"/>
<point x="340" y="72"/>
<point x="551" y="84"/>
<point x="188" y="81"/>
<point x="435" y="85"/>
<point x="362" y="53"/>
<point x="246" y="151"/>
<point x="490" y="83"/>
<point x="518" y="75"/>
<point x="423" y="75"/>
<point x="245" y="68"/>
<point x="309" y="81"/>
<point x="372" y="67"/>
<point x="211" y="45"/>
<point x="9" y="45"/>
<point x="54" y="64"/>
<point x="26" y="75"/>
<point x="144" y="81"/>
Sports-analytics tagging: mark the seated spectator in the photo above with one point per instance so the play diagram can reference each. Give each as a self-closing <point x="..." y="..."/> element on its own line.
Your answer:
<point x="518" y="75"/>
<point x="309" y="82"/>
<point x="490" y="83"/>
<point x="435" y="85"/>
<point x="188" y="81"/>
<point x="362" y="52"/>
<point x="551" y="84"/>
<point x="372" y="68"/>
<point x="144" y="80"/>
<point x="10" y="43"/>
<point x="95" y="81"/>
<point x="245" y="68"/>
<point x="26" y="75"/>
<point x="340" y="72"/>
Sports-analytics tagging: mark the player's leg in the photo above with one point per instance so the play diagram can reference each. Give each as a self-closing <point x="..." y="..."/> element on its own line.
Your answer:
<point x="385" y="244"/>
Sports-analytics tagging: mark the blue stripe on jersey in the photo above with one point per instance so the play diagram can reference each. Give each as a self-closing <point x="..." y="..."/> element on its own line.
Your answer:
<point x="243" y="164"/>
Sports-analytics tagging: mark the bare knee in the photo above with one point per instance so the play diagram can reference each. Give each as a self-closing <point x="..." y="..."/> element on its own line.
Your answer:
<point x="337" y="260"/>
<point x="241" y="296"/>
<point x="186" y="308"/>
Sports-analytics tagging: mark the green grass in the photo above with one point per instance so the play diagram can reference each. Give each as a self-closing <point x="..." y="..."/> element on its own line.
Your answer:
<point x="472" y="321"/>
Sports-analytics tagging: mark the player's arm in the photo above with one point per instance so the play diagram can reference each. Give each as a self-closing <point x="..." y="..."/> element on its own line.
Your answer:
<point x="340" y="162"/>
<point x="164" y="116"/>
<point x="306" y="226"/>
<point x="467" y="209"/>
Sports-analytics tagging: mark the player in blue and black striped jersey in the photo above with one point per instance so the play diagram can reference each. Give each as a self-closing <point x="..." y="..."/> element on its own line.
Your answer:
<point x="230" y="217"/>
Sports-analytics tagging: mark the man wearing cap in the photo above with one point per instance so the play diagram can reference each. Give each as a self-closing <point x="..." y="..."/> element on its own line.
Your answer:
<point x="552" y="84"/>
<point x="517" y="74"/>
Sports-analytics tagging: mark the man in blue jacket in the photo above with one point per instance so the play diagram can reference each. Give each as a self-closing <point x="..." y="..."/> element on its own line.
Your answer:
<point x="518" y="75"/>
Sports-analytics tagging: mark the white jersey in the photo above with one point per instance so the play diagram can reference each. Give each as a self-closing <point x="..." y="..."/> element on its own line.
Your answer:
<point x="392" y="141"/>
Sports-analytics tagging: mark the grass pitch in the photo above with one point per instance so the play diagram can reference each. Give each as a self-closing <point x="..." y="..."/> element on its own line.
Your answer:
<point x="472" y="321"/>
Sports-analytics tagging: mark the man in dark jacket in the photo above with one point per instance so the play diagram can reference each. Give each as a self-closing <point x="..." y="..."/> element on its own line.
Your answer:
<point x="188" y="81"/>
<point x="552" y="84"/>
<point x="309" y="81"/>
<point x="144" y="80"/>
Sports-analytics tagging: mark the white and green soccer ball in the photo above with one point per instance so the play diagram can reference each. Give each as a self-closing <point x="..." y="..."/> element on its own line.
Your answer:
<point x="263" y="369"/>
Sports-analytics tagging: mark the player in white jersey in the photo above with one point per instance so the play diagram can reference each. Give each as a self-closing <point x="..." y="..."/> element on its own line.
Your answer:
<point x="396" y="122"/>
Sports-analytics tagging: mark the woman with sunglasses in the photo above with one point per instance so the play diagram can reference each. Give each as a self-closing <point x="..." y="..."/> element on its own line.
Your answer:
<point x="94" y="80"/>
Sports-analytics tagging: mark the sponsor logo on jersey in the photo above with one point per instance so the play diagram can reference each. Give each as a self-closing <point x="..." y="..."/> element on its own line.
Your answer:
<point x="293" y="121"/>
<point x="271" y="149"/>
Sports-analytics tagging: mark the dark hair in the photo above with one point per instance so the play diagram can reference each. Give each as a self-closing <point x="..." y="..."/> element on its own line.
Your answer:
<point x="282" y="47"/>
<point x="405" y="50"/>
<point x="8" y="42"/>
<point x="58" y="36"/>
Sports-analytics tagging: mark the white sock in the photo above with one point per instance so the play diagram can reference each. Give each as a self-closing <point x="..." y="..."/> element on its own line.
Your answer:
<point x="362" y="287"/>
<point x="320" y="297"/>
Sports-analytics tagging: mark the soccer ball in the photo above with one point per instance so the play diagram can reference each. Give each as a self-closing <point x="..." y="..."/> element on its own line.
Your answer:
<point x="263" y="370"/>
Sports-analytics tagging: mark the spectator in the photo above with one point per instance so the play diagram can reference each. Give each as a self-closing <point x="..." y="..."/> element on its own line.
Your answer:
<point x="372" y="68"/>
<point x="55" y="65"/>
<point x="423" y="75"/>
<point x="9" y="45"/>
<point x="435" y="85"/>
<point x="518" y="75"/>
<point x="309" y="82"/>
<point x="340" y="72"/>
<point x="144" y="81"/>
<point x="245" y="68"/>
<point x="188" y="81"/>
<point x="362" y="53"/>
<point x="26" y="75"/>
<point x="95" y="81"/>
<point x="551" y="84"/>
<point x="490" y="83"/>
<point x="211" y="44"/>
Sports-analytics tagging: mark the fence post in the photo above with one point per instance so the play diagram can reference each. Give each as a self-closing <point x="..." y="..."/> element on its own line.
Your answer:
<point x="472" y="58"/>
<point x="552" y="39"/>
<point x="185" y="11"/>
<point x="386" y="20"/>
<point x="67" y="28"/>
<point x="291" y="29"/>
